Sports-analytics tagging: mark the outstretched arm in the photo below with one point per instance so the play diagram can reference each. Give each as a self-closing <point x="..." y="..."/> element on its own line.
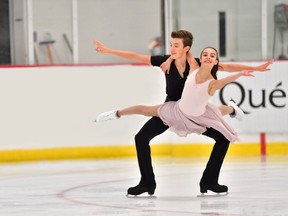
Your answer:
<point x="101" y="48"/>
<point x="165" y="66"/>
<point x="239" y="67"/>
<point x="218" y="84"/>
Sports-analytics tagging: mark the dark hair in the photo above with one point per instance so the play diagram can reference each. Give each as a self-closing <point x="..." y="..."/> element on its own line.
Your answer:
<point x="185" y="35"/>
<point x="215" y="67"/>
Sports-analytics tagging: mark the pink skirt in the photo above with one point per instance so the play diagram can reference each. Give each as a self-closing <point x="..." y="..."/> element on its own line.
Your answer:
<point x="183" y="125"/>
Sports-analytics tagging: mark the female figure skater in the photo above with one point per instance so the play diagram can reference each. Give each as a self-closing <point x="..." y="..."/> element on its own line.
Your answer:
<point x="194" y="104"/>
<point x="193" y="113"/>
<point x="180" y="44"/>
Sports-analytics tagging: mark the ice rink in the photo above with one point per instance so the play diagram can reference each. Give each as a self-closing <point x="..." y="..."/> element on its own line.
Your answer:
<point x="257" y="187"/>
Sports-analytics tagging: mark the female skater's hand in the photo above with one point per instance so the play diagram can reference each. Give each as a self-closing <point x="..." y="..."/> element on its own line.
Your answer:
<point x="247" y="73"/>
<point x="165" y="66"/>
<point x="101" y="48"/>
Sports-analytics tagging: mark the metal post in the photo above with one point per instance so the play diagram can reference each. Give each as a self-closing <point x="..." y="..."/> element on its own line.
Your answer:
<point x="264" y="29"/>
<point x="168" y="23"/>
<point x="30" y="33"/>
<point x="75" y="32"/>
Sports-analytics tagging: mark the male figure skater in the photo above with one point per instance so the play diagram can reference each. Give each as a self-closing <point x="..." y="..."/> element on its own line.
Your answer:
<point x="181" y="42"/>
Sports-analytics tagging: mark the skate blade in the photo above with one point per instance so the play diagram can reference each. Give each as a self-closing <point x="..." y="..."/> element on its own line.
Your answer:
<point x="141" y="196"/>
<point x="213" y="195"/>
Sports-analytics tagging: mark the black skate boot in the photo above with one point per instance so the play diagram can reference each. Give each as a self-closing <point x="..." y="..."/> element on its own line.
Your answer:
<point x="216" y="188"/>
<point x="139" y="189"/>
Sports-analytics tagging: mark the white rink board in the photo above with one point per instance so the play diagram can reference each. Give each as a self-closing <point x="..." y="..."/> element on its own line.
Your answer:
<point x="56" y="106"/>
<point x="264" y="98"/>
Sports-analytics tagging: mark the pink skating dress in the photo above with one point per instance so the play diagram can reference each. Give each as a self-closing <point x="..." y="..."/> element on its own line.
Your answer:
<point x="193" y="113"/>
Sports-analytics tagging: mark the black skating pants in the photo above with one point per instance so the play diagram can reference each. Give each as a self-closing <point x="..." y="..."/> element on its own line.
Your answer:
<point x="151" y="129"/>
<point x="220" y="148"/>
<point x="155" y="127"/>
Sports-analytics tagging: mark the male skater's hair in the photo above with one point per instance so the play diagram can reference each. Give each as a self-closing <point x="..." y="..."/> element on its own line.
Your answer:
<point x="185" y="35"/>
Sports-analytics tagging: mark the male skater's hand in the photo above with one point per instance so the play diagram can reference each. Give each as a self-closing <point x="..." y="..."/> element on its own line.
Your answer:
<point x="100" y="48"/>
<point x="264" y="67"/>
